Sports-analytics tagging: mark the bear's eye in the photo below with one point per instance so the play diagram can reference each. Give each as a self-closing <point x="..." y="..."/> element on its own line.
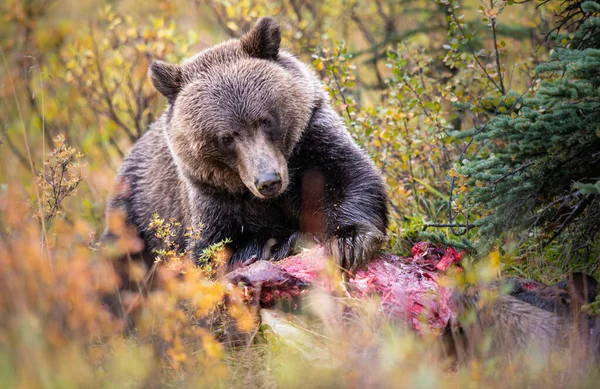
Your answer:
<point x="264" y="122"/>
<point x="227" y="140"/>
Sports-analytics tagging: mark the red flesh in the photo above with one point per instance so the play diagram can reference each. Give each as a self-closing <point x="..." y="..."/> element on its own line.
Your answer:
<point x="408" y="287"/>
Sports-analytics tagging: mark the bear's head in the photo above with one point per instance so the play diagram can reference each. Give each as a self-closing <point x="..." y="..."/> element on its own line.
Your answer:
<point x="236" y="111"/>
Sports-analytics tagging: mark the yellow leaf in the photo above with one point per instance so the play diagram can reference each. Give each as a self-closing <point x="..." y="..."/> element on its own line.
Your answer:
<point x="232" y="26"/>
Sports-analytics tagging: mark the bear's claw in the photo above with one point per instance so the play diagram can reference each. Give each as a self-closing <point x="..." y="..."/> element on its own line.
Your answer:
<point x="355" y="246"/>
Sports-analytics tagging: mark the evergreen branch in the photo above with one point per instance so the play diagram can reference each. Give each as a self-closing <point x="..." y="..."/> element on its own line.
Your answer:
<point x="520" y="168"/>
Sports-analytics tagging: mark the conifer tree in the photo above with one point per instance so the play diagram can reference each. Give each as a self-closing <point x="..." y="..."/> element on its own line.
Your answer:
<point x="540" y="167"/>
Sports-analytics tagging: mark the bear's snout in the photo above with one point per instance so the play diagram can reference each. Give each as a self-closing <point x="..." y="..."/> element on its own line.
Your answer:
<point x="261" y="166"/>
<point x="268" y="184"/>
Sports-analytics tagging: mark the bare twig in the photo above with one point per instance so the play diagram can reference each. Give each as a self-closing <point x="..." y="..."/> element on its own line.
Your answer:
<point x="496" y="52"/>
<point x="27" y="148"/>
<point x="213" y="7"/>
<point x="3" y="134"/>
<point x="16" y="152"/>
<point x="106" y="94"/>
<point x="578" y="210"/>
<point x="371" y="39"/>
<point x="466" y="226"/>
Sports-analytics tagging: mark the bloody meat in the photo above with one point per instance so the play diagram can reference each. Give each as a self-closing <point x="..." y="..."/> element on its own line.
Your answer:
<point x="409" y="288"/>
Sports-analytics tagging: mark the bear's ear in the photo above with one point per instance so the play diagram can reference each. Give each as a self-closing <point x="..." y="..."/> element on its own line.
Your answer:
<point x="166" y="78"/>
<point x="263" y="40"/>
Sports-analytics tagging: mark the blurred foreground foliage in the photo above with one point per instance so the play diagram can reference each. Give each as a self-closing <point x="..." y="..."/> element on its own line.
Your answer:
<point x="56" y="332"/>
<point x="482" y="117"/>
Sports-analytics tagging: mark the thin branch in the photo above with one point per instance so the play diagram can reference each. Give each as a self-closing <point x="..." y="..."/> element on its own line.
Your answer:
<point x="496" y="52"/>
<point x="28" y="149"/>
<point x="520" y="168"/>
<point x="410" y="166"/>
<point x="221" y="21"/>
<point x="578" y="210"/>
<point x="466" y="226"/>
<point x="107" y="96"/>
<point x="341" y="92"/>
<point x="472" y="51"/>
<point x="15" y="151"/>
<point x="373" y="43"/>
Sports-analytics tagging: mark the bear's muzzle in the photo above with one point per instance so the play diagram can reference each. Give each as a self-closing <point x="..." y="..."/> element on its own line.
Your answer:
<point x="268" y="184"/>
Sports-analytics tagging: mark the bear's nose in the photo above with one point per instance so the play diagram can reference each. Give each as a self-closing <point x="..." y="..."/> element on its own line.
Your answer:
<point x="268" y="184"/>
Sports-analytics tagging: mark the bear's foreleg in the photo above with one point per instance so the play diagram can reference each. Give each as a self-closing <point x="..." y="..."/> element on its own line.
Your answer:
<point x="343" y="186"/>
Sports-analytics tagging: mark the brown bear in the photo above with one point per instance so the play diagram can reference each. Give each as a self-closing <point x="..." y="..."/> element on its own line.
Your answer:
<point x="250" y="149"/>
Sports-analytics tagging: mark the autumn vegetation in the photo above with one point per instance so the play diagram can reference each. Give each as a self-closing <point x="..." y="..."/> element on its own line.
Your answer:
<point x="483" y="117"/>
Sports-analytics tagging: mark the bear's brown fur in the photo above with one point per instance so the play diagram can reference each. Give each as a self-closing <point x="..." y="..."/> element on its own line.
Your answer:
<point x="250" y="149"/>
<point x="547" y="318"/>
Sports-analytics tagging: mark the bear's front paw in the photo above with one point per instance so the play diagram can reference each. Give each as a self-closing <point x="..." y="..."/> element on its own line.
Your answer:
<point x="355" y="246"/>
